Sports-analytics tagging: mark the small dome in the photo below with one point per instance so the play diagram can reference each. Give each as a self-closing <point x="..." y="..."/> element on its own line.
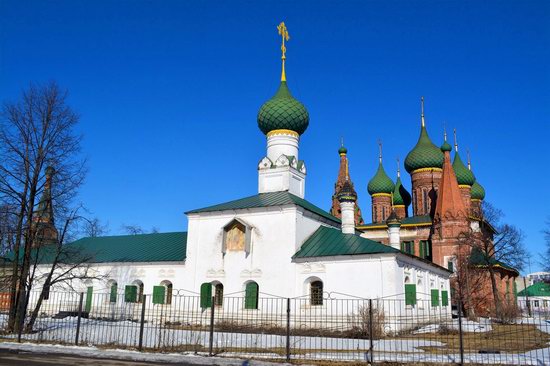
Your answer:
<point x="400" y="195"/>
<point x="446" y="147"/>
<point x="424" y="155"/>
<point x="50" y="170"/>
<point x="477" y="191"/>
<point x="342" y="150"/>
<point x="464" y="176"/>
<point x="380" y="183"/>
<point x="347" y="193"/>
<point x="283" y="112"/>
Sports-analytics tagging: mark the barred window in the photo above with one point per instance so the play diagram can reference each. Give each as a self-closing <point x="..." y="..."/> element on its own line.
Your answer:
<point x="316" y="293"/>
<point x="218" y="294"/>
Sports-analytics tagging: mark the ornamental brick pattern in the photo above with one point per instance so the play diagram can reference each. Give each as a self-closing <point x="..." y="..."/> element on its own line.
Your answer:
<point x="381" y="207"/>
<point x="336" y="209"/>
<point x="466" y="198"/>
<point x="400" y="211"/>
<point x="425" y="184"/>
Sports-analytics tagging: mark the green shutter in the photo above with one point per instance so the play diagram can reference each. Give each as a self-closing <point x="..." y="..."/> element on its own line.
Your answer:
<point x="159" y="293"/>
<point x="114" y="289"/>
<point x="89" y="292"/>
<point x="422" y="245"/>
<point x="444" y="298"/>
<point x="251" y="296"/>
<point x="410" y="294"/>
<point x="130" y="293"/>
<point x="206" y="295"/>
<point x="435" y="297"/>
<point x="403" y="246"/>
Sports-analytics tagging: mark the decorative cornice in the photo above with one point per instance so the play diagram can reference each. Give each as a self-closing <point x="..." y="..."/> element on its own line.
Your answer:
<point x="464" y="186"/>
<point x="399" y="206"/>
<point x="283" y="132"/>
<point x="476" y="200"/>
<point x="381" y="195"/>
<point x="427" y="170"/>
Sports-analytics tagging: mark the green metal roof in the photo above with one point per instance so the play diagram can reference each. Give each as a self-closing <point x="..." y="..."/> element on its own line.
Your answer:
<point x="537" y="289"/>
<point x="479" y="258"/>
<point x="400" y="194"/>
<point x="161" y="247"/>
<point x="283" y="112"/>
<point x="332" y="242"/>
<point x="424" y="154"/>
<point x="267" y="200"/>
<point x="380" y="183"/>
<point x="463" y="174"/>
<point x="477" y="191"/>
<point x="412" y="220"/>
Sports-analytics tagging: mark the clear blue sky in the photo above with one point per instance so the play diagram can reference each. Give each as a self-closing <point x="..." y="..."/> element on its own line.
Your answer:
<point x="168" y="93"/>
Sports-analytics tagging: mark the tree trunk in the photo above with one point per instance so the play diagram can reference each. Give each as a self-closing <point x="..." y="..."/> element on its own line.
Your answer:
<point x="496" y="297"/>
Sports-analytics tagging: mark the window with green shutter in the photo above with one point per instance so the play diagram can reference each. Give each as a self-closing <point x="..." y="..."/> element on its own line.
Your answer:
<point x="444" y="298"/>
<point x="206" y="295"/>
<point x="450" y="266"/>
<point x="113" y="294"/>
<point x="425" y="249"/>
<point x="435" y="297"/>
<point x="410" y="294"/>
<point x="251" y="296"/>
<point x="130" y="293"/>
<point x="159" y="292"/>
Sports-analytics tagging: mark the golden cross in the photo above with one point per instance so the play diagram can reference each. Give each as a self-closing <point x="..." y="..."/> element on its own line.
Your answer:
<point x="283" y="32"/>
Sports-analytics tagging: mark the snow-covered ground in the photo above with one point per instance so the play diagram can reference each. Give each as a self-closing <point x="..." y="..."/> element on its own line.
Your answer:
<point x="125" y="334"/>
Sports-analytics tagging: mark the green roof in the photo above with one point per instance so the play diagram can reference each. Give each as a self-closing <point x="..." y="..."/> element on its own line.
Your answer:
<point x="160" y="247"/>
<point x="464" y="176"/>
<point x="537" y="289"/>
<point x="332" y="242"/>
<point x="446" y="146"/>
<point x="283" y="112"/>
<point x="267" y="200"/>
<point x="412" y="220"/>
<point x="424" y="154"/>
<point x="479" y="258"/>
<point x="380" y="183"/>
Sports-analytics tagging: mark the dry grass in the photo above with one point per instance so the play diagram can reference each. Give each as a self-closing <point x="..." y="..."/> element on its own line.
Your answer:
<point x="503" y="338"/>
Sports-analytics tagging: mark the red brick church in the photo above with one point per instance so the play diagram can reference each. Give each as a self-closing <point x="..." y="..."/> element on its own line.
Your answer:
<point x="446" y="202"/>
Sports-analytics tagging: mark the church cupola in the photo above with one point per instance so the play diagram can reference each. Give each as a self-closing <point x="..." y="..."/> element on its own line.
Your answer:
<point x="401" y="198"/>
<point x="464" y="177"/>
<point x="343" y="177"/>
<point x="282" y="119"/>
<point x="381" y="188"/>
<point x="477" y="195"/>
<point x="424" y="162"/>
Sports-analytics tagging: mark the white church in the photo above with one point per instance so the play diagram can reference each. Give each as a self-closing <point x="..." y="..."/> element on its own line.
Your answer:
<point x="272" y="243"/>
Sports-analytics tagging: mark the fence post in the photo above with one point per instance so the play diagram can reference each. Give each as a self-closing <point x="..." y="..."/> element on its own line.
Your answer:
<point x="288" y="329"/>
<point x="460" y="333"/>
<point x="78" y="319"/>
<point x="211" y="335"/>
<point x="371" y="347"/>
<point x="142" y="322"/>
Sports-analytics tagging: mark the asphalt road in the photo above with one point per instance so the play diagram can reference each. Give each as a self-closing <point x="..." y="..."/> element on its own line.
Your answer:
<point x="9" y="358"/>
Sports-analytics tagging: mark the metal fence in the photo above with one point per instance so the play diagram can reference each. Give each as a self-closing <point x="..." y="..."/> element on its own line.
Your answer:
<point x="337" y="329"/>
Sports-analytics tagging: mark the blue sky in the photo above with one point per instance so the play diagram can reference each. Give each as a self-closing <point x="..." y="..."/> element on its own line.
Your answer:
<point x="168" y="93"/>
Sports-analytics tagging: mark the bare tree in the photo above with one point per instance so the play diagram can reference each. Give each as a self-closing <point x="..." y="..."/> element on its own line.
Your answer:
<point x="36" y="131"/>
<point x="94" y="228"/>
<point x="492" y="248"/>
<point x="546" y="256"/>
<point x="132" y="229"/>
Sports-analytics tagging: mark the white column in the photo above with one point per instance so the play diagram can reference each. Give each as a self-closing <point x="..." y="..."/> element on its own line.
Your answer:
<point x="394" y="235"/>
<point x="348" y="217"/>
<point x="281" y="142"/>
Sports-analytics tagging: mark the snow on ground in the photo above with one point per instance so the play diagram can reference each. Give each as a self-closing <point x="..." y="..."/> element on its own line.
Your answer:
<point x="481" y="326"/>
<point x="542" y="324"/>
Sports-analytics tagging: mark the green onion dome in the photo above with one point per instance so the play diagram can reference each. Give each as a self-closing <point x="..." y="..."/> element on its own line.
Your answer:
<point x="400" y="195"/>
<point x="342" y="150"/>
<point x="464" y="176"/>
<point x="283" y="112"/>
<point x="424" y="155"/>
<point x="446" y="146"/>
<point x="477" y="191"/>
<point x="380" y="183"/>
<point x="347" y="193"/>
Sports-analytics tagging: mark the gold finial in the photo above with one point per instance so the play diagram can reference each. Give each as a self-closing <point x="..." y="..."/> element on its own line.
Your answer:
<point x="283" y="32"/>
<point x="468" y="156"/>
<point x="422" y="110"/>
<point x="456" y="143"/>
<point x="398" y="171"/>
<point x="380" y="151"/>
